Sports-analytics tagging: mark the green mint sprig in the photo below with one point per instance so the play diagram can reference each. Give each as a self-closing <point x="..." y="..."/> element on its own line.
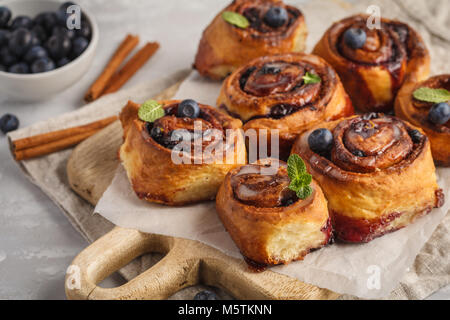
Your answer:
<point x="310" y="78"/>
<point x="235" y="19"/>
<point x="300" y="178"/>
<point x="150" y="111"/>
<point x="432" y="95"/>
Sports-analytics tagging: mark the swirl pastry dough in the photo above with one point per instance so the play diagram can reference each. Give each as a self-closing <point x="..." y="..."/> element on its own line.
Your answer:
<point x="266" y="220"/>
<point x="149" y="162"/>
<point x="376" y="179"/>
<point x="270" y="93"/>
<point x="416" y="112"/>
<point x="373" y="74"/>
<point x="224" y="47"/>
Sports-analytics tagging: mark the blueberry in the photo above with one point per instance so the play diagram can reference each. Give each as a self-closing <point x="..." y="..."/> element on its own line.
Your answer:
<point x="62" y="62"/>
<point x="156" y="133"/>
<point x="35" y="40"/>
<point x="58" y="46"/>
<point x="415" y="135"/>
<point x="359" y="153"/>
<point x="8" y="123"/>
<point x="85" y="30"/>
<point x="78" y="46"/>
<point x="188" y="109"/>
<point x="39" y="32"/>
<point x="206" y="295"/>
<point x="321" y="141"/>
<point x="21" y="22"/>
<point x="5" y="15"/>
<point x="19" y="68"/>
<point x="439" y="113"/>
<point x="47" y="20"/>
<point x="355" y="38"/>
<point x="276" y="17"/>
<point x="63" y="31"/>
<point x="21" y="40"/>
<point x="42" y="65"/>
<point x="6" y="57"/>
<point x="35" y="53"/>
<point x="5" y="35"/>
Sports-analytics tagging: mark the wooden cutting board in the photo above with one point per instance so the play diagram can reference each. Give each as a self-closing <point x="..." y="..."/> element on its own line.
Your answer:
<point x="90" y="170"/>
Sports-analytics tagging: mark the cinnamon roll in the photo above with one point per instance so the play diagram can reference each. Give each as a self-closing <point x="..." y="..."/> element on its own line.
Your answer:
<point x="180" y="159"/>
<point x="266" y="220"/>
<point x="271" y="27"/>
<point x="378" y="175"/>
<point x="419" y="113"/>
<point x="273" y="93"/>
<point x="374" y="63"/>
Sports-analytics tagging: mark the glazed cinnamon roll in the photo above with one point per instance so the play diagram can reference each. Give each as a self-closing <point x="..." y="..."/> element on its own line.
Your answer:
<point x="180" y="158"/>
<point x="377" y="173"/>
<point x="270" y="27"/>
<point x="272" y="93"/>
<point x="374" y="63"/>
<point x="428" y="116"/>
<point x="266" y="220"/>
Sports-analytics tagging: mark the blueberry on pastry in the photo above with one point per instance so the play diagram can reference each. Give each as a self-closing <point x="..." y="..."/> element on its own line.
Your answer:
<point x="269" y="221"/>
<point x="377" y="174"/>
<point x="248" y="29"/>
<point x="178" y="152"/>
<point x="374" y="63"/>
<point x="427" y="105"/>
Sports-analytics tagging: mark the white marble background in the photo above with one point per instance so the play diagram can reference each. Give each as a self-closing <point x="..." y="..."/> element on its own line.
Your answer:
<point x="37" y="243"/>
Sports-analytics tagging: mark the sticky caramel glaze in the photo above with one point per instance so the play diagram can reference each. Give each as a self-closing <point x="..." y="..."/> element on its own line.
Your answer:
<point x="256" y="97"/>
<point x="150" y="168"/>
<point x="416" y="112"/>
<point x="373" y="74"/>
<point x="225" y="47"/>
<point x="265" y="231"/>
<point x="366" y="204"/>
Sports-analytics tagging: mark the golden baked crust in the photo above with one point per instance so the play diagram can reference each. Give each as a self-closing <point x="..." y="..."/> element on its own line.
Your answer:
<point x="255" y="96"/>
<point x="265" y="232"/>
<point x="373" y="74"/>
<point x="387" y="189"/>
<point x="416" y="112"/>
<point x="156" y="178"/>
<point x="225" y="47"/>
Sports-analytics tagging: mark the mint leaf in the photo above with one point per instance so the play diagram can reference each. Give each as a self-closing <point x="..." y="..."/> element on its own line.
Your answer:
<point x="432" y="95"/>
<point x="300" y="178"/>
<point x="150" y="111"/>
<point x="310" y="78"/>
<point x="235" y="19"/>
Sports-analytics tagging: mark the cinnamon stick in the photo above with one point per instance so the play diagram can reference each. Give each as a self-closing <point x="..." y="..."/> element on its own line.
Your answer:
<point x="111" y="68"/>
<point x="131" y="67"/>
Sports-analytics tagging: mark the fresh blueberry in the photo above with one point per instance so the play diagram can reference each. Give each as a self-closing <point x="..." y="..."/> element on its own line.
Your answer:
<point x="188" y="109"/>
<point x="62" y="62"/>
<point x="22" y="22"/>
<point x="5" y="15"/>
<point x="321" y="141"/>
<point x="35" y="41"/>
<point x="276" y="17"/>
<point x="63" y="31"/>
<point x="359" y="153"/>
<point x="39" y="32"/>
<point x="42" y="65"/>
<point x="6" y="57"/>
<point x="415" y="135"/>
<point x="355" y="38"/>
<point x="21" y="40"/>
<point x="156" y="133"/>
<point x="85" y="30"/>
<point x="58" y="46"/>
<point x="2" y="68"/>
<point x="47" y="20"/>
<point x="19" y="68"/>
<point x="439" y="113"/>
<point x="8" y="123"/>
<point x="78" y="46"/>
<point x="35" y="53"/>
<point x="206" y="295"/>
<point x="5" y="35"/>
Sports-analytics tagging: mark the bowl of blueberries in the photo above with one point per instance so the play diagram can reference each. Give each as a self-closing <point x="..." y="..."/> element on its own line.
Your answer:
<point x="45" y="47"/>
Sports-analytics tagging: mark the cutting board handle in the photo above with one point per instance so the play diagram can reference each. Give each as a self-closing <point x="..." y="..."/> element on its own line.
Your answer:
<point x="186" y="263"/>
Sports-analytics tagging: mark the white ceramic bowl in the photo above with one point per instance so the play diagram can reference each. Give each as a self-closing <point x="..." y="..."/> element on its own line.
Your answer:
<point x="40" y="86"/>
